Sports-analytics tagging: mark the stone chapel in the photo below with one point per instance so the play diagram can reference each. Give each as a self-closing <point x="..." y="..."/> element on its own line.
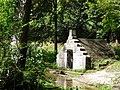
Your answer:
<point x="73" y="55"/>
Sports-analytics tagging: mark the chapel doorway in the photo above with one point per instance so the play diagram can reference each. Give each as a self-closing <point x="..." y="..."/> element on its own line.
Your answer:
<point x="70" y="58"/>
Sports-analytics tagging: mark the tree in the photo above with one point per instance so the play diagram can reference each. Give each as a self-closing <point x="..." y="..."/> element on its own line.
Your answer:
<point x="104" y="16"/>
<point x="41" y="24"/>
<point x="24" y="34"/>
<point x="72" y="15"/>
<point x="6" y="14"/>
<point x="55" y="19"/>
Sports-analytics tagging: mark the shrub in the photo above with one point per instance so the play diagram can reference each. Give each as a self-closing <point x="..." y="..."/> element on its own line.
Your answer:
<point x="33" y="75"/>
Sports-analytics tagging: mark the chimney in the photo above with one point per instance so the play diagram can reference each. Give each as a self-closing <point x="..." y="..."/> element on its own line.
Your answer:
<point x="72" y="34"/>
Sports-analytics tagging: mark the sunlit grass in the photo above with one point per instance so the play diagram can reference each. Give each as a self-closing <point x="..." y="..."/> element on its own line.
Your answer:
<point x="50" y="46"/>
<point x="114" y="67"/>
<point x="74" y="74"/>
<point x="102" y="86"/>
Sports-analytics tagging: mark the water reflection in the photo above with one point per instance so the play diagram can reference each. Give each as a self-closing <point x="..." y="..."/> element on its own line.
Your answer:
<point x="65" y="82"/>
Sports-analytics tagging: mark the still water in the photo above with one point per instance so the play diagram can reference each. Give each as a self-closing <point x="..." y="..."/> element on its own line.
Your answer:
<point x="65" y="82"/>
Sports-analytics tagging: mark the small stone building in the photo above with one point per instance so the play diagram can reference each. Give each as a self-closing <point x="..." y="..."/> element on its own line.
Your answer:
<point x="77" y="53"/>
<point x="73" y="55"/>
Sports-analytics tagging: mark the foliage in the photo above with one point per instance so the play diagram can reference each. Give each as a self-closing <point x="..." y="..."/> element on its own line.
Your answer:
<point x="41" y="53"/>
<point x="33" y="77"/>
<point x="41" y="24"/>
<point x="91" y="19"/>
<point x="72" y="15"/>
<point x="103" y="16"/>
<point x="6" y="14"/>
<point x="6" y="64"/>
<point x="115" y="67"/>
<point x="102" y="63"/>
<point x="117" y="50"/>
<point x="36" y="67"/>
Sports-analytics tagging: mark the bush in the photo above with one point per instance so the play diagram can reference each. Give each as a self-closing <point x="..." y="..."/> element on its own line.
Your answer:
<point x="32" y="77"/>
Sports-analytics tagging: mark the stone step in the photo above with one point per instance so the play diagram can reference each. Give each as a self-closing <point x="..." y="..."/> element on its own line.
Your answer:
<point x="78" y="49"/>
<point x="88" y="56"/>
<point x="84" y="52"/>
<point x="76" y="41"/>
<point x="79" y="45"/>
<point x="82" y="49"/>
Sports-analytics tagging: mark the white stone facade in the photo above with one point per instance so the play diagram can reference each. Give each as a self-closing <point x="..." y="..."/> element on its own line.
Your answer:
<point x="73" y="55"/>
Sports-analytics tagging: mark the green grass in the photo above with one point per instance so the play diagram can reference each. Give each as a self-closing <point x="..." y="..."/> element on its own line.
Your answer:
<point x="101" y="86"/>
<point x="74" y="74"/>
<point x="104" y="87"/>
<point x="90" y="71"/>
<point x="80" y="70"/>
<point x="50" y="46"/>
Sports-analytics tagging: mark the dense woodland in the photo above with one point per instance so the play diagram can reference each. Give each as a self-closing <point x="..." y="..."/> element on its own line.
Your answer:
<point x="26" y="25"/>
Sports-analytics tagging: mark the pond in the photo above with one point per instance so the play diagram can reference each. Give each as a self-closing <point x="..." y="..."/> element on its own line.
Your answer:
<point x="66" y="81"/>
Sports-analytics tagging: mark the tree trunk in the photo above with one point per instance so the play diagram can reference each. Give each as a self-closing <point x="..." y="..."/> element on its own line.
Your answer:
<point x="109" y="36"/>
<point x="24" y="34"/>
<point x="55" y="19"/>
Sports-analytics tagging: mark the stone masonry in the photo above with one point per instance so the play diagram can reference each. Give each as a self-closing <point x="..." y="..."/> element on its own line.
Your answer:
<point x="73" y="55"/>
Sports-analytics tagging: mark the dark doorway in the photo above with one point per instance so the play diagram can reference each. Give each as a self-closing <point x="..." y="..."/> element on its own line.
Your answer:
<point x="88" y="63"/>
<point x="70" y="59"/>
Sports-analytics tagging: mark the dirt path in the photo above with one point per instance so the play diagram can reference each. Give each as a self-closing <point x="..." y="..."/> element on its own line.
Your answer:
<point x="101" y="77"/>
